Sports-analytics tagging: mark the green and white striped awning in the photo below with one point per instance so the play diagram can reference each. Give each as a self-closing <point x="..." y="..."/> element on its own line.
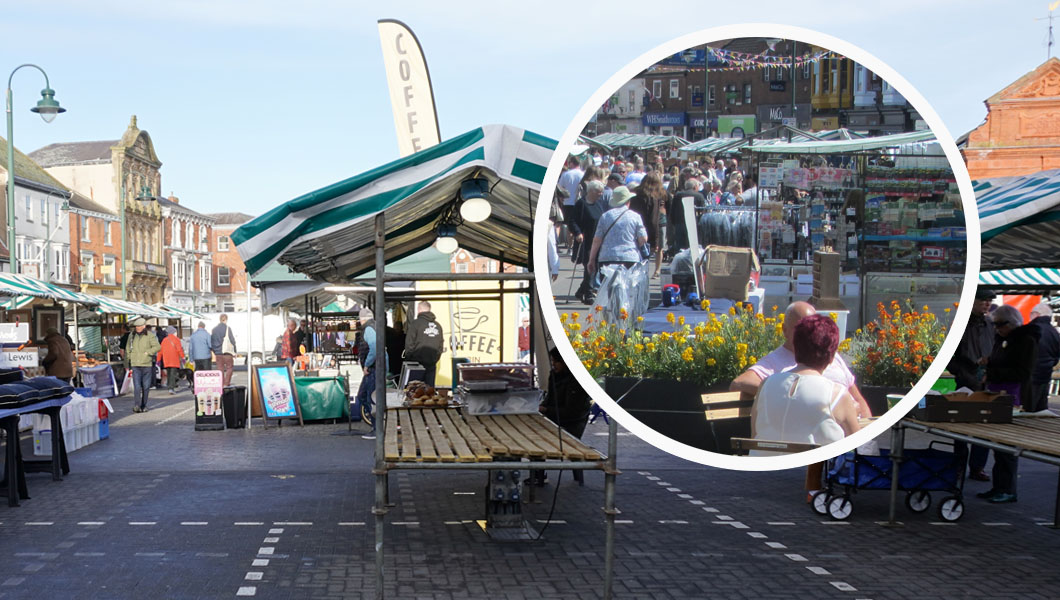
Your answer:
<point x="637" y="141"/>
<point x="1020" y="220"/>
<point x="852" y="145"/>
<point x="115" y="306"/>
<point x="178" y="312"/>
<point x="14" y="284"/>
<point x="1021" y="278"/>
<point x="329" y="233"/>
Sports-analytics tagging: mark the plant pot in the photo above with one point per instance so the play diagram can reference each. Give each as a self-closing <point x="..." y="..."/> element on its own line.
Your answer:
<point x="876" y="396"/>
<point x="675" y="409"/>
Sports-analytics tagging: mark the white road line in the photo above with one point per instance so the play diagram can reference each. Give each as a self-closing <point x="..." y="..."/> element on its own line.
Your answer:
<point x="168" y="419"/>
<point x="737" y="525"/>
<point x="90" y="553"/>
<point x="999" y="524"/>
<point x="835" y="522"/>
<point x="150" y="554"/>
<point x="254" y="576"/>
<point x="266" y="550"/>
<point x="189" y="523"/>
<point x="819" y="570"/>
<point x="292" y="523"/>
<point x="654" y="478"/>
<point x="410" y="523"/>
<point x="91" y="523"/>
<point x="776" y="545"/>
<point x="941" y="523"/>
<point x="554" y="521"/>
<point x="247" y="591"/>
<point x="673" y="489"/>
<point x="260" y="562"/>
<point x="623" y="522"/>
<point x="779" y="523"/>
<point x="685" y="496"/>
<point x="710" y="509"/>
<point x="239" y="523"/>
<point x="271" y="540"/>
<point x="843" y="586"/>
<point x="279" y="531"/>
<point x="463" y="493"/>
<point x="668" y="522"/>
<point x="348" y="524"/>
<point x="664" y="483"/>
<point x="643" y="473"/>
<point x="757" y="535"/>
<point x="139" y="523"/>
<point x="453" y="523"/>
<point x="34" y="523"/>
<point x="797" y="557"/>
<point x="723" y="517"/>
<point x="696" y="502"/>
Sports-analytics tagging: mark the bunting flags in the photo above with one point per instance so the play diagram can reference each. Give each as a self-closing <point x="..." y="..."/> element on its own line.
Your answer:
<point x="742" y="61"/>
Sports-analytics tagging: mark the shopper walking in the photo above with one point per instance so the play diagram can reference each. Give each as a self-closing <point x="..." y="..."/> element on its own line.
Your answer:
<point x="199" y="348"/>
<point x="622" y="245"/>
<point x="223" y="345"/>
<point x="651" y="203"/>
<point x="586" y="214"/>
<point x="140" y="350"/>
<point x="291" y="343"/>
<point x="1048" y="356"/>
<point x="171" y="357"/>
<point x="367" y="356"/>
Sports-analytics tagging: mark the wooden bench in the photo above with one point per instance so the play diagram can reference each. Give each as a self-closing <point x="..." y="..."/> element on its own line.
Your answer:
<point x="728" y="415"/>
<point x="745" y="445"/>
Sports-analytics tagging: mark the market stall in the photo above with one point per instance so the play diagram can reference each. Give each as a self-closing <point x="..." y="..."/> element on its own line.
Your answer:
<point x="339" y="232"/>
<point x="101" y="367"/>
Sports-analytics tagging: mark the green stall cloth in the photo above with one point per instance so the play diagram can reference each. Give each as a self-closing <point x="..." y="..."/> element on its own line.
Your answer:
<point x="322" y="397"/>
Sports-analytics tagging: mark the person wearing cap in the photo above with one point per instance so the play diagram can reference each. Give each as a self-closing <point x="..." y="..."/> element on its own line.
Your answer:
<point x="59" y="362"/>
<point x="968" y="367"/>
<point x="140" y="350"/>
<point x="1048" y="356"/>
<point x="619" y="235"/>
<point x="171" y="356"/>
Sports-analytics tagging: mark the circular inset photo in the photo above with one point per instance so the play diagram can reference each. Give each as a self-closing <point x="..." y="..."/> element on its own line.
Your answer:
<point x="760" y="239"/>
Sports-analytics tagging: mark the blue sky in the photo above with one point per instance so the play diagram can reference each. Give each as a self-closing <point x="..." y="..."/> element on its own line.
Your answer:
<point x="251" y="104"/>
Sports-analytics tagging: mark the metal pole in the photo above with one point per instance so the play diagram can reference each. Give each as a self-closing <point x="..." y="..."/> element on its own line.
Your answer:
<point x="609" y="507"/>
<point x="897" y="441"/>
<point x="250" y="371"/>
<point x="380" y="404"/>
<point x="13" y="259"/>
<point x="706" y="95"/>
<point x="794" y="115"/>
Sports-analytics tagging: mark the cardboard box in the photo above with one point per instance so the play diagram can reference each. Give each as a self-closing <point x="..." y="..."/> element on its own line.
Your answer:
<point x="725" y="271"/>
<point x="977" y="407"/>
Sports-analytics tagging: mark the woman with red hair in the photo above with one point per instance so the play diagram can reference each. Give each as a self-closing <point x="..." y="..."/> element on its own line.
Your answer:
<point x="801" y="405"/>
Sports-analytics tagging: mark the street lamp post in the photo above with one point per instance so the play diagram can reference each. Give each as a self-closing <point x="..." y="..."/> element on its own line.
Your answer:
<point x="47" y="108"/>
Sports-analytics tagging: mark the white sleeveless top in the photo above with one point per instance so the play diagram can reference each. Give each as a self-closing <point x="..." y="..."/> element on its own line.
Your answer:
<point x="797" y="408"/>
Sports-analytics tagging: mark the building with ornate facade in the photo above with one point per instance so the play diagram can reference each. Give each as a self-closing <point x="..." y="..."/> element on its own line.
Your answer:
<point x="113" y="173"/>
<point x="188" y="237"/>
<point x="231" y="282"/>
<point x="1021" y="133"/>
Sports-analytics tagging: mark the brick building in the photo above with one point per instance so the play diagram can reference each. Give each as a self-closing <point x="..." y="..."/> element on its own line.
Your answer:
<point x="1021" y="133"/>
<point x="95" y="247"/>
<point x="231" y="275"/>
<point x="112" y="171"/>
<point x="188" y="244"/>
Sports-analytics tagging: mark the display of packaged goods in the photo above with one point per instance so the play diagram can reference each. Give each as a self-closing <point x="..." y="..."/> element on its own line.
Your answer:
<point x="518" y="376"/>
<point x="502" y="403"/>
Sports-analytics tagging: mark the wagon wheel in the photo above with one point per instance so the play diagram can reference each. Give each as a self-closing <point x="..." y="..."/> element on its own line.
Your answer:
<point x="840" y="507"/>
<point x="819" y="501"/>
<point x="918" y="501"/>
<point x="951" y="509"/>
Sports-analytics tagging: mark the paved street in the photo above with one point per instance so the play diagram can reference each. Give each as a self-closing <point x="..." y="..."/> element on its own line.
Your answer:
<point x="162" y="511"/>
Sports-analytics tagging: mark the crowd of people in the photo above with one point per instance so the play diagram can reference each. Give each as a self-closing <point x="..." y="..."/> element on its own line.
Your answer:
<point x="611" y="209"/>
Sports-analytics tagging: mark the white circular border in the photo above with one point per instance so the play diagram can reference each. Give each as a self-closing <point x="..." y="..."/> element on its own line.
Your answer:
<point x="960" y="321"/>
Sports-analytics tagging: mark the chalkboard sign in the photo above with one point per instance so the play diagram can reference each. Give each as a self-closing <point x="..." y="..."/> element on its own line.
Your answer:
<point x="279" y="398"/>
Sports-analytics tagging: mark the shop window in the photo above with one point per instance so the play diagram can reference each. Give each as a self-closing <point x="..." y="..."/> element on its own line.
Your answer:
<point x="222" y="243"/>
<point x="223" y="277"/>
<point x="675" y="88"/>
<point x="109" y="270"/>
<point x="747" y="93"/>
<point x="656" y="88"/>
<point x="806" y="70"/>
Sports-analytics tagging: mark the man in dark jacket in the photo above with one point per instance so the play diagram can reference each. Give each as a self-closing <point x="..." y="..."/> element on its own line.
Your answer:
<point x="223" y="346"/>
<point x="1048" y="356"/>
<point x="60" y="359"/>
<point x="1012" y="363"/>
<point x="968" y="367"/>
<point x="424" y="342"/>
<point x="566" y="403"/>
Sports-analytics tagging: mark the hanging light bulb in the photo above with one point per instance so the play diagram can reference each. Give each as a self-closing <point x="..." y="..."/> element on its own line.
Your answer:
<point x="446" y="242"/>
<point x="475" y="207"/>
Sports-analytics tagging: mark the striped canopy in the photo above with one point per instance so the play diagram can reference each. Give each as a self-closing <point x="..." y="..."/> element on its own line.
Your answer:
<point x="114" y="306"/>
<point x="1020" y="220"/>
<point x="329" y="233"/>
<point x="1021" y="279"/>
<point x="14" y="284"/>
<point x="851" y="145"/>
<point x="637" y="141"/>
<point x="177" y="312"/>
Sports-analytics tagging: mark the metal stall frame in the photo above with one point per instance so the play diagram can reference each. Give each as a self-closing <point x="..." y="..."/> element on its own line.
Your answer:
<point x="382" y="468"/>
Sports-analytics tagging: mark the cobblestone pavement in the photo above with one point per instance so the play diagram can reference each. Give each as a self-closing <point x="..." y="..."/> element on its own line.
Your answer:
<point x="162" y="511"/>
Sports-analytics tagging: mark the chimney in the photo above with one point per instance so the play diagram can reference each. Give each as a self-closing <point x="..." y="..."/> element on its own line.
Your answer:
<point x="173" y="199"/>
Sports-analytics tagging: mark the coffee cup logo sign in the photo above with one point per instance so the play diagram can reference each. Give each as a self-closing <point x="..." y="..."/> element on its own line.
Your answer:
<point x="474" y="335"/>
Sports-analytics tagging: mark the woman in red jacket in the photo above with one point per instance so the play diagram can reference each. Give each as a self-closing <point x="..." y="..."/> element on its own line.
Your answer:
<point x="172" y="358"/>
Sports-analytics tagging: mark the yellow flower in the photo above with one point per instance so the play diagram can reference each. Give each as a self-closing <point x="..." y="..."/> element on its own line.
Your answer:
<point x="639" y="347"/>
<point x="599" y="308"/>
<point x="670" y="318"/>
<point x="945" y="310"/>
<point x="774" y="308"/>
<point x="687" y="354"/>
<point x="704" y="304"/>
<point x="681" y="339"/>
<point x="629" y="362"/>
<point x="741" y="348"/>
<point x="623" y="313"/>
<point x="622" y="332"/>
<point x="640" y="319"/>
<point x="711" y="362"/>
<point x="563" y="318"/>
<point x="732" y="311"/>
<point x="681" y="320"/>
<point x="834" y="316"/>
<point x="752" y="360"/>
<point x="651" y="347"/>
<point x="575" y="327"/>
<point x="576" y="344"/>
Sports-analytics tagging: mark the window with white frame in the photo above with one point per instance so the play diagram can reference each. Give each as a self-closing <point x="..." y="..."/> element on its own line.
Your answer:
<point x="204" y="239"/>
<point x="58" y="221"/>
<point x="765" y="73"/>
<point x="229" y="307"/>
<point x="84" y="229"/>
<point x="110" y="276"/>
<point x="656" y="88"/>
<point x="178" y="278"/>
<point x="43" y="210"/>
<point x="29" y="208"/>
<point x="461" y="267"/>
<point x="223" y="277"/>
<point x="747" y="93"/>
<point x="204" y="277"/>
<point x="88" y="268"/>
<point x="710" y="95"/>
<point x="61" y="269"/>
<point x="806" y="70"/>
<point x="176" y="235"/>
<point x="189" y="237"/>
<point x="222" y="243"/>
<point x="675" y="88"/>
<point x="780" y="73"/>
<point x="106" y="233"/>
<point x="189" y="275"/>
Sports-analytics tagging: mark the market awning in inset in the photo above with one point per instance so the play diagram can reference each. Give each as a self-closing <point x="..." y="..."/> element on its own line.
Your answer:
<point x="329" y="233"/>
<point x="1020" y="221"/>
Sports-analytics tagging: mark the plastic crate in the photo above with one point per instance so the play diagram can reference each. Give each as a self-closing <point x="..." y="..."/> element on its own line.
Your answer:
<point x="104" y="429"/>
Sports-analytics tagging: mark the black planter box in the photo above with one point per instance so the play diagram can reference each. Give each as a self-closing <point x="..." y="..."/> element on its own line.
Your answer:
<point x="675" y="409"/>
<point x="876" y="397"/>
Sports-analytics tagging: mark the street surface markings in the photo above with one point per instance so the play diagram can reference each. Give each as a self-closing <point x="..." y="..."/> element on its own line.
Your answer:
<point x="776" y="545"/>
<point x="797" y="557"/>
<point x="247" y="591"/>
<point x="409" y="523"/>
<point x="292" y="523"/>
<point x="91" y="523"/>
<point x="254" y="575"/>
<point x="14" y="580"/>
<point x="168" y="419"/>
<point x="463" y="493"/>
<point x="710" y="509"/>
<point x="554" y="522"/>
<point x="664" y="483"/>
<point x="279" y="531"/>
<point x="673" y="522"/>
<point x="260" y="562"/>
<point x="90" y="554"/>
<point x="194" y="523"/>
<point x="843" y="586"/>
<point x="345" y="524"/>
<point x="271" y="540"/>
<point x="33" y="568"/>
<point x="453" y="523"/>
<point x="212" y="554"/>
<point x="685" y="496"/>
<point x="266" y="550"/>
<point x="835" y="522"/>
<point x="32" y="523"/>
<point x="696" y="502"/>
<point x="779" y="523"/>
<point x="248" y="523"/>
<point x="643" y="473"/>
<point x="723" y="517"/>
<point x="150" y="554"/>
<point x="997" y="524"/>
<point x="138" y="523"/>
<point x="941" y="523"/>
<point x="673" y="489"/>
<point x="819" y="570"/>
<point x="756" y="535"/>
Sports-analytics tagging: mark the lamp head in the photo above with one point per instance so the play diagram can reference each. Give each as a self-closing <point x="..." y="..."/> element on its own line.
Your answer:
<point x="446" y="242"/>
<point x="47" y="107"/>
<point x="475" y="193"/>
